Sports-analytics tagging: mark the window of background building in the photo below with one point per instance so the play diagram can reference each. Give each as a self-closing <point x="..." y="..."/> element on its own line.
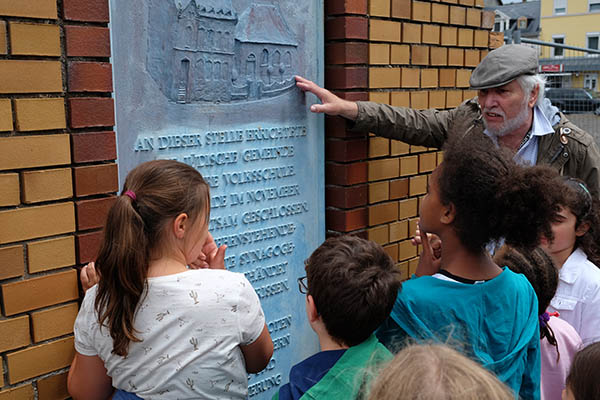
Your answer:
<point x="557" y="51"/>
<point x="522" y="23"/>
<point x="591" y="81"/>
<point x="594" y="5"/>
<point x="592" y="41"/>
<point x="560" y="7"/>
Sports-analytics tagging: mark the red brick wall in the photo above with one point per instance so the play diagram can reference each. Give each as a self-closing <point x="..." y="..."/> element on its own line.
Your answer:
<point x="57" y="180"/>
<point x="412" y="53"/>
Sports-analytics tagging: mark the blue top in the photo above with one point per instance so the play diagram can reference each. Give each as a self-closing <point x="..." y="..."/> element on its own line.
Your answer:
<point x="494" y="322"/>
<point x="307" y="373"/>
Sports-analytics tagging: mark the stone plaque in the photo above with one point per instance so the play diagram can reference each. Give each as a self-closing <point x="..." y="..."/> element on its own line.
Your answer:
<point x="211" y="83"/>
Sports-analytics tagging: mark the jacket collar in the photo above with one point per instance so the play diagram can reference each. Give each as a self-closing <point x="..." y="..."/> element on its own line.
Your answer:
<point x="571" y="269"/>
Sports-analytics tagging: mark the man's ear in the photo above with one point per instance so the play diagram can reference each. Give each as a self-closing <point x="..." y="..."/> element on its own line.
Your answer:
<point x="448" y="214"/>
<point x="582" y="229"/>
<point x="534" y="96"/>
<point x="311" y="309"/>
<point x="179" y="225"/>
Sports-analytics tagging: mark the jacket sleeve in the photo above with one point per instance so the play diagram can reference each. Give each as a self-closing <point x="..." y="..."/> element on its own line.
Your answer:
<point x="589" y="169"/>
<point x="417" y="127"/>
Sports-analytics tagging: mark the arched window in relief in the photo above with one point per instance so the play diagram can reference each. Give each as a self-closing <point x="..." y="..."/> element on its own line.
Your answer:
<point x="189" y="36"/>
<point x="225" y="74"/>
<point x="287" y="59"/>
<point x="208" y="71"/>
<point x="216" y="71"/>
<point x="251" y="67"/>
<point x="264" y="61"/>
<point x="201" y="37"/>
<point x="210" y="39"/>
<point x="200" y="70"/>
<point x="182" y="87"/>
<point x="227" y="45"/>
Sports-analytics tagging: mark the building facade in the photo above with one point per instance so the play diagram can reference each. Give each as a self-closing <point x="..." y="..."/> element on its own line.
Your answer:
<point x="574" y="23"/>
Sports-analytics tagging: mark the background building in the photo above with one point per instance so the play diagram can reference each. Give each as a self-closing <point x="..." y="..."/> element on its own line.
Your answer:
<point x="574" y="23"/>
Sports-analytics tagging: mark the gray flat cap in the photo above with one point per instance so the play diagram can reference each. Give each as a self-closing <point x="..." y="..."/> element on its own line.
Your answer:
<point x="503" y="65"/>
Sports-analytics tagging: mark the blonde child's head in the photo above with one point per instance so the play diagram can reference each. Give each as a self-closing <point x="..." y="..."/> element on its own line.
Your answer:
<point x="436" y="372"/>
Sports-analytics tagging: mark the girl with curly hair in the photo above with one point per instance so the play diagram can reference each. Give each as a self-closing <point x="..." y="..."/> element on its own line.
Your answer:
<point x="477" y="195"/>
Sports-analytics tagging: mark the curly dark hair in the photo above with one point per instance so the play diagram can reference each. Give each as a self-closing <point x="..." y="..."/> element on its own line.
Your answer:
<point x="494" y="197"/>
<point x="586" y="208"/>
<point x="354" y="284"/>
<point x="542" y="274"/>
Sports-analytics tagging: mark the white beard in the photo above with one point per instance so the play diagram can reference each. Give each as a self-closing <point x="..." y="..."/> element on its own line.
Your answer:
<point x="508" y="126"/>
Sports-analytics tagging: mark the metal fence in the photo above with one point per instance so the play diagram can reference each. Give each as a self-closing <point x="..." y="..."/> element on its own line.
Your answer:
<point x="572" y="81"/>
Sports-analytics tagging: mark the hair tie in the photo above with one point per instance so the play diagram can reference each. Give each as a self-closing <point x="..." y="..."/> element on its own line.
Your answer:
<point x="584" y="188"/>
<point x="130" y="194"/>
<point x="544" y="318"/>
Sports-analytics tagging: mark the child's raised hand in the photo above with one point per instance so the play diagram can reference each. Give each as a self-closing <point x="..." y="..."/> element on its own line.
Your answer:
<point x="431" y="257"/>
<point x="212" y="257"/>
<point x="88" y="276"/>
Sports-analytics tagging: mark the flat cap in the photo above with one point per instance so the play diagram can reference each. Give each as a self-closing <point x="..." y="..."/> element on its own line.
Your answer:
<point x="503" y="65"/>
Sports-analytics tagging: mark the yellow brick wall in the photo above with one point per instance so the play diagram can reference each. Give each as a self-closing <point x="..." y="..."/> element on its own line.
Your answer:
<point x="39" y="211"/>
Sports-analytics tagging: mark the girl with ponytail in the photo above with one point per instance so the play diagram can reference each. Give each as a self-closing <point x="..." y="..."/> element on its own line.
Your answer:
<point x="152" y="326"/>
<point x="559" y="340"/>
<point x="478" y="195"/>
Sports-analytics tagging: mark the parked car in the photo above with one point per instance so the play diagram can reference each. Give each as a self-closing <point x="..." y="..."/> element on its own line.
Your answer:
<point x="572" y="100"/>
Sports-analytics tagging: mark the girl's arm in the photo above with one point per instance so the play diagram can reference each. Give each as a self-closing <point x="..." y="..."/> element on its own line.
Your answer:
<point x="258" y="353"/>
<point x="88" y="379"/>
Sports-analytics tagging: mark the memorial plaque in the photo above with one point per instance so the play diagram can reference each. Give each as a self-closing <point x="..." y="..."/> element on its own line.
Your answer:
<point x="211" y="83"/>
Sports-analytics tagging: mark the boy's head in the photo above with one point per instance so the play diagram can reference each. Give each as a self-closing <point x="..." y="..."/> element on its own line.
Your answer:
<point x="353" y="283"/>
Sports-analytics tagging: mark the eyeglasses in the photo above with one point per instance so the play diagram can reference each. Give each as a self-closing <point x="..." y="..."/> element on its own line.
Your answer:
<point x="302" y="285"/>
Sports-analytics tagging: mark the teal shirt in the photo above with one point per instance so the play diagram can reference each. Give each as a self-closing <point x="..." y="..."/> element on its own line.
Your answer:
<point x="351" y="374"/>
<point x="494" y="322"/>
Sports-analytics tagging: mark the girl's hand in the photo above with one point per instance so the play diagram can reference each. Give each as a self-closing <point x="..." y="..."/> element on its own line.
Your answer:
<point x="88" y="276"/>
<point x="212" y="257"/>
<point x="430" y="260"/>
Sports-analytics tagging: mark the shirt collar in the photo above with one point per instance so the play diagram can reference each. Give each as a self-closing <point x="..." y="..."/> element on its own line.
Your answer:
<point x="571" y="270"/>
<point x="541" y="126"/>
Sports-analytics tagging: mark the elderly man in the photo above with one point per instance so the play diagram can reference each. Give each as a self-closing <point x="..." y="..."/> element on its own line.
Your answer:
<point x="510" y="108"/>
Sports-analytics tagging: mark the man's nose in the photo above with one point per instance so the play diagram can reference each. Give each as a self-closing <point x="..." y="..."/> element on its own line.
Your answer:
<point x="490" y="100"/>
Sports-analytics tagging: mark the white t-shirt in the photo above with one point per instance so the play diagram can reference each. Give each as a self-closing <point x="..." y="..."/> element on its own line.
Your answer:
<point x="191" y="325"/>
<point x="577" y="297"/>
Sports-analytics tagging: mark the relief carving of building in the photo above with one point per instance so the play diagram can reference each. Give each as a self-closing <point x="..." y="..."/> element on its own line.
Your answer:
<point x="202" y="51"/>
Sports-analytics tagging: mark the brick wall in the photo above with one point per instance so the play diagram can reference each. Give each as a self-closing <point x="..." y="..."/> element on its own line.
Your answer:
<point x="57" y="180"/>
<point x="412" y="53"/>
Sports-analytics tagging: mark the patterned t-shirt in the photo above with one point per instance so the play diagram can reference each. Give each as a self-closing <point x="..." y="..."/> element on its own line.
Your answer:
<point x="191" y="325"/>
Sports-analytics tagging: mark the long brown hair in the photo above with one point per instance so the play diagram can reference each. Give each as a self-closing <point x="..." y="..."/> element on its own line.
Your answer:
<point x="154" y="193"/>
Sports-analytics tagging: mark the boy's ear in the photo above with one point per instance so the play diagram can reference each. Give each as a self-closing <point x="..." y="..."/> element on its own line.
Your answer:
<point x="582" y="229"/>
<point x="179" y="225"/>
<point x="448" y="214"/>
<point x="311" y="309"/>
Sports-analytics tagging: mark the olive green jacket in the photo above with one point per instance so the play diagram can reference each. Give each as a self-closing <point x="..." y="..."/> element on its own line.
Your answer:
<point x="570" y="150"/>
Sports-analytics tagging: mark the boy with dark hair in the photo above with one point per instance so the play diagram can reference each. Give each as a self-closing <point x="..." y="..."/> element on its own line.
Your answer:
<point x="350" y="285"/>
